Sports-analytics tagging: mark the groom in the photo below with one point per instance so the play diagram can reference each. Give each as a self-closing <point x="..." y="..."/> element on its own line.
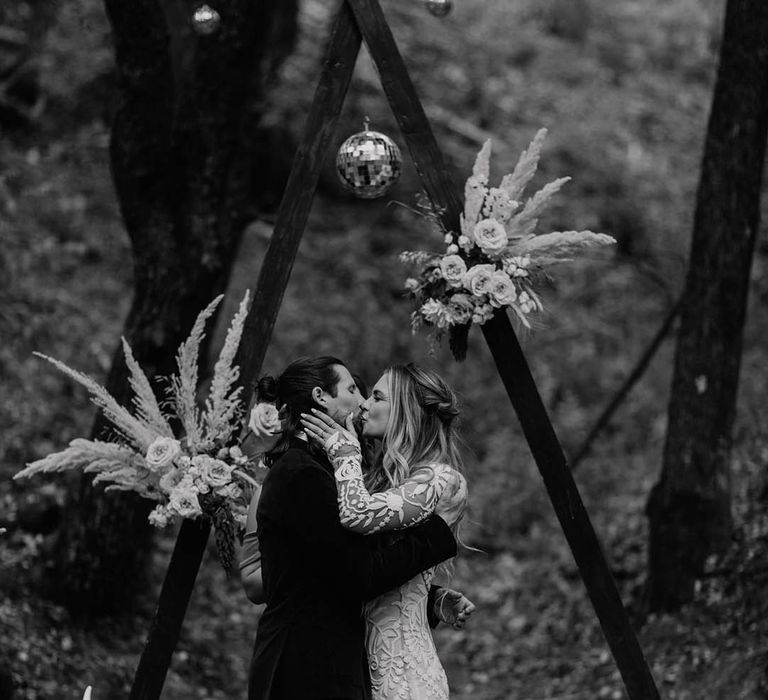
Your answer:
<point x="317" y="575"/>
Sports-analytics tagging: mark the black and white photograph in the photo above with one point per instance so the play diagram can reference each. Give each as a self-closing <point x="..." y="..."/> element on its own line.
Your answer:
<point x="383" y="350"/>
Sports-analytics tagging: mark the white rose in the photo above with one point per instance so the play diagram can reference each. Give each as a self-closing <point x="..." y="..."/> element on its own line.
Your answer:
<point x="453" y="268"/>
<point x="490" y="235"/>
<point x="162" y="452"/>
<point x="184" y="503"/>
<point x="502" y="291"/>
<point x="411" y="284"/>
<point x="460" y="307"/>
<point x="265" y="420"/>
<point x="213" y="472"/>
<point x="478" y="279"/>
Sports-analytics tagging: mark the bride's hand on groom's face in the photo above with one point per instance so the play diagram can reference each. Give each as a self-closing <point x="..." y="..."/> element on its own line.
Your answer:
<point x="327" y="432"/>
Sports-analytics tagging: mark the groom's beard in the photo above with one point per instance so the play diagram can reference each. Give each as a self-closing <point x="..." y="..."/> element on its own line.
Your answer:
<point x="341" y="418"/>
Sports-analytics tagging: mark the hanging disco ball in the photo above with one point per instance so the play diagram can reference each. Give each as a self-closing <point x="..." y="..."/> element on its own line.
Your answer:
<point x="368" y="163"/>
<point x="206" y="20"/>
<point x="439" y="8"/>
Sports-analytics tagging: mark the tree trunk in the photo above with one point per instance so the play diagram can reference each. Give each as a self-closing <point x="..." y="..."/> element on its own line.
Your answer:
<point x="689" y="508"/>
<point x="182" y="149"/>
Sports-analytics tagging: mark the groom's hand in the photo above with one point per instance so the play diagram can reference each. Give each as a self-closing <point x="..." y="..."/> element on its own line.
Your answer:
<point x="453" y="607"/>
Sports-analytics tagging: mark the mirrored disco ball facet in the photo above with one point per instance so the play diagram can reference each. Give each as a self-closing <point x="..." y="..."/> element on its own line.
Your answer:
<point x="368" y="164"/>
<point x="205" y="20"/>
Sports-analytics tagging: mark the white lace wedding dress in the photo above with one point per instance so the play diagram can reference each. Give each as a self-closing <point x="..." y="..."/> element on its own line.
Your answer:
<point x="401" y="652"/>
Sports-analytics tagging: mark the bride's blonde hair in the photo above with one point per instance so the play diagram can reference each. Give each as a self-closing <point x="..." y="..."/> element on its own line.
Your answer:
<point x="420" y="429"/>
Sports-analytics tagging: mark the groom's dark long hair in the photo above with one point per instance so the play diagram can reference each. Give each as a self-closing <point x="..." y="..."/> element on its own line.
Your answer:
<point x="292" y="392"/>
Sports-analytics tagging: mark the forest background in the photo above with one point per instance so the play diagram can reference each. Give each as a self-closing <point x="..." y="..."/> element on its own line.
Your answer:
<point x="624" y="89"/>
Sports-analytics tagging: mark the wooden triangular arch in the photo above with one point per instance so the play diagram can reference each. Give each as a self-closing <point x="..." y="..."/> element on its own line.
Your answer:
<point x="358" y="20"/>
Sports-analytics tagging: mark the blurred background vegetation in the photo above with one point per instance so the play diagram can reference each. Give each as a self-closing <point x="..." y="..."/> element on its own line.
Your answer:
<point x="624" y="89"/>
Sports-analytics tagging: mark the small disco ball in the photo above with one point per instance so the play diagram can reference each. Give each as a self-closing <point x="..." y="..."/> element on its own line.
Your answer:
<point x="368" y="163"/>
<point x="439" y="8"/>
<point x="206" y="20"/>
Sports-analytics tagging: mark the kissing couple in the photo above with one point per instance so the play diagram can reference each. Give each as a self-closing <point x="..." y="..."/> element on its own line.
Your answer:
<point x="343" y="542"/>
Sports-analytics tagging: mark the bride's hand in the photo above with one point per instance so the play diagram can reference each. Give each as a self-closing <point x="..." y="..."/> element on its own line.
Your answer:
<point x="336" y="440"/>
<point x="453" y="607"/>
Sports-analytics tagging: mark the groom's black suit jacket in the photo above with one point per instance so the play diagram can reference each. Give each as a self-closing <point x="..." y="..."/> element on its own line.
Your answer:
<point x="316" y="574"/>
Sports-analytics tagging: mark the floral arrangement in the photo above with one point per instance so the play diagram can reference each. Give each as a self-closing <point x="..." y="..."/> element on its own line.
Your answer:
<point x="496" y="260"/>
<point x="266" y="425"/>
<point x="196" y="474"/>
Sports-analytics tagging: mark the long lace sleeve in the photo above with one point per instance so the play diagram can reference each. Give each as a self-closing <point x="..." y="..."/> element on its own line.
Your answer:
<point x="394" y="509"/>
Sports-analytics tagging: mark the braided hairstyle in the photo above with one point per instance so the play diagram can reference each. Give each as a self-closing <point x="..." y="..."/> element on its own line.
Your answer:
<point x="420" y="430"/>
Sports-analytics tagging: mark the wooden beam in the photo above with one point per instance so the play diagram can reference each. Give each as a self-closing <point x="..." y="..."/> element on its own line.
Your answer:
<point x="299" y="192"/>
<point x="570" y="510"/>
<point x="171" y="606"/>
<point x="512" y="365"/>
<point x="407" y="109"/>
<point x="409" y="113"/>
<point x="276" y="268"/>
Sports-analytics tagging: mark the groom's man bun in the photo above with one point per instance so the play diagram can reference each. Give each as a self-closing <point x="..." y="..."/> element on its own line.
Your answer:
<point x="291" y="393"/>
<point x="292" y="390"/>
<point x="266" y="389"/>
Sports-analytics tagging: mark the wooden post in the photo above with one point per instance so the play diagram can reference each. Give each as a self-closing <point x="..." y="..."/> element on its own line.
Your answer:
<point x="512" y="366"/>
<point x="171" y="607"/>
<point x="570" y="510"/>
<point x="299" y="192"/>
<point x="276" y="268"/>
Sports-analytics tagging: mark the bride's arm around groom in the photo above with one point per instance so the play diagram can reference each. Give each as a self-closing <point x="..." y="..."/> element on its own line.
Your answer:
<point x="316" y="575"/>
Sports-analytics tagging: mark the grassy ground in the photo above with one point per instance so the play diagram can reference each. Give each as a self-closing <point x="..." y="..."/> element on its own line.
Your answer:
<point x="624" y="89"/>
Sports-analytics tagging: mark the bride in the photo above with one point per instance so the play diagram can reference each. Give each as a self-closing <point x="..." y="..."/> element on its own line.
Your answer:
<point x="417" y="473"/>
